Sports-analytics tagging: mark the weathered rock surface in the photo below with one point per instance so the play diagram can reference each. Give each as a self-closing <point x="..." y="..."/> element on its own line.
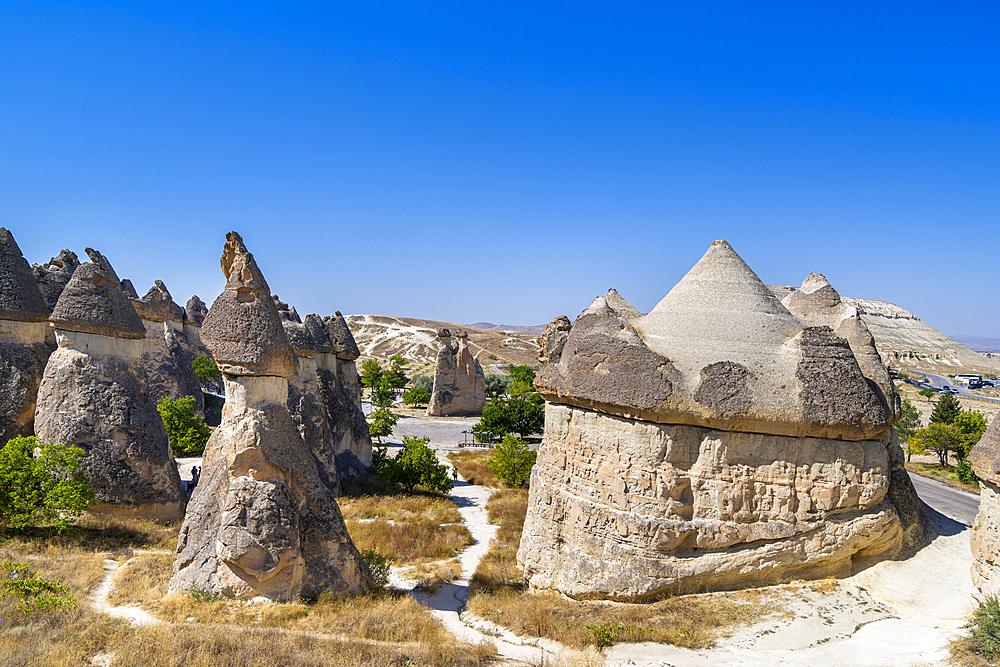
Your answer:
<point x="985" y="538"/>
<point x="262" y="521"/>
<point x="554" y="340"/>
<point x="459" y="382"/>
<point x="94" y="395"/>
<point x="354" y="449"/>
<point x="718" y="442"/>
<point x="195" y="311"/>
<point x="23" y="348"/>
<point x="53" y="276"/>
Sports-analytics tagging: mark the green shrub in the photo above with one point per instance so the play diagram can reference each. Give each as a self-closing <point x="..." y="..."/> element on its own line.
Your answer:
<point x="965" y="472"/>
<point x="984" y="629"/>
<point x="34" y="594"/>
<point x="415" y="464"/>
<point x="425" y="382"/>
<point x="206" y="369"/>
<point x="516" y="415"/>
<point x="40" y="482"/>
<point x="186" y="430"/>
<point x="379" y="565"/>
<point x="416" y="396"/>
<point x="512" y="461"/>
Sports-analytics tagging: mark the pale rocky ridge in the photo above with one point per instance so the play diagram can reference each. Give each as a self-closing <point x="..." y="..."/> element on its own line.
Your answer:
<point x="718" y="442"/>
<point x="94" y="395"/>
<point x="985" y="539"/>
<point x="262" y="522"/>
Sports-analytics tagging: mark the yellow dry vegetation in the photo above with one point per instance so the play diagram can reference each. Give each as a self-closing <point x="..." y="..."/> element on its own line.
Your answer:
<point x="472" y="467"/>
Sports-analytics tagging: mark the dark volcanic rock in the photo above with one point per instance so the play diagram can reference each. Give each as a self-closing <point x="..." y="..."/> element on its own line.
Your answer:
<point x="93" y="302"/>
<point x="53" y="276"/>
<point x="20" y="298"/>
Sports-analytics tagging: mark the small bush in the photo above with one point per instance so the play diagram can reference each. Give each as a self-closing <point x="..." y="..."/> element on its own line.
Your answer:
<point x="416" y="396"/>
<point x="415" y="464"/>
<point x="984" y="630"/>
<point x="425" y="382"/>
<point x="186" y="430"/>
<point x="35" y="594"/>
<point x="41" y="487"/>
<point x="378" y="564"/>
<point x="965" y="472"/>
<point x="512" y="461"/>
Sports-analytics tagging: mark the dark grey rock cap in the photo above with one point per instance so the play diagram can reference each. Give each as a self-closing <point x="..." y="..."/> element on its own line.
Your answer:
<point x="20" y="298"/>
<point x="93" y="302"/>
<point x="341" y="337"/>
<point x="242" y="328"/>
<point x="158" y="305"/>
<point x="195" y="311"/>
<point x="53" y="276"/>
<point x="308" y="336"/>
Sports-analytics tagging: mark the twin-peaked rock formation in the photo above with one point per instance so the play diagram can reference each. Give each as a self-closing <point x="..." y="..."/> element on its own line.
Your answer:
<point x="723" y="440"/>
<point x="263" y="520"/>
<point x="94" y="394"/>
<point x="459" y="382"/>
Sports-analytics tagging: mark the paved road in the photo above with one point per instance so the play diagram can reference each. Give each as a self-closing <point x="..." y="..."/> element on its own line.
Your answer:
<point x="940" y="381"/>
<point x="953" y="503"/>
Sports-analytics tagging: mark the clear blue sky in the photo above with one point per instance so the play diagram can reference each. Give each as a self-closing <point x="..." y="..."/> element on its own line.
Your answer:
<point x="509" y="162"/>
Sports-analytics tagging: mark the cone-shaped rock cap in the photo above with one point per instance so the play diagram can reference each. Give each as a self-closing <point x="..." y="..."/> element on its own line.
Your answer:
<point x="719" y="309"/>
<point x="985" y="456"/>
<point x="242" y="328"/>
<point x="308" y="336"/>
<point x="341" y="337"/>
<point x="129" y="289"/>
<point x="621" y="306"/>
<point x="158" y="305"/>
<point x="93" y="302"/>
<point x="53" y="276"/>
<point x="195" y="311"/>
<point x="20" y="298"/>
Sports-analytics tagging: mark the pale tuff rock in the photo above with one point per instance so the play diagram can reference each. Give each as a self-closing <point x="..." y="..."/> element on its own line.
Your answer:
<point x="53" y="276"/>
<point x="354" y="452"/>
<point x="23" y="347"/>
<point x="621" y="306"/>
<point x="985" y="539"/>
<point x="263" y="521"/>
<point x="94" y="395"/>
<point x="554" y="340"/>
<point x="166" y="351"/>
<point x="459" y="382"/>
<point x="718" y="442"/>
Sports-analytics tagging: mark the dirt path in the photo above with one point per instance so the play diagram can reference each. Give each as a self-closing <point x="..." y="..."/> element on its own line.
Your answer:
<point x="99" y="598"/>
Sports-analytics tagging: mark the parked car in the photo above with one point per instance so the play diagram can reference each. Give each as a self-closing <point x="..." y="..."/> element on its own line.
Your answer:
<point x="988" y="383"/>
<point x="975" y="384"/>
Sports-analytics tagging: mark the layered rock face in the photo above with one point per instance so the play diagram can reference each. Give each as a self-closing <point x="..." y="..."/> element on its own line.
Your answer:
<point x="165" y="349"/>
<point x="262" y="521"/>
<point x="718" y="442"/>
<point x="459" y="383"/>
<point x="94" y="395"/>
<point x="354" y="447"/>
<point x="985" y="538"/>
<point x="24" y="352"/>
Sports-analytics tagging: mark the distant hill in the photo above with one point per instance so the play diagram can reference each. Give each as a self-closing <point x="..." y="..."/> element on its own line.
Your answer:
<point x="537" y="329"/>
<point x="979" y="343"/>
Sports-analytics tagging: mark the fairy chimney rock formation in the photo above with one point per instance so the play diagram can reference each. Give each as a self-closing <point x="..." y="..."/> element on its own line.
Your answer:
<point x="354" y="448"/>
<point x="459" y="382"/>
<point x="94" y="394"/>
<point x="261" y="522"/>
<point x="718" y="442"/>
<point x="24" y="328"/>
<point x="53" y="276"/>
<point x="166" y="350"/>
<point x="985" y="538"/>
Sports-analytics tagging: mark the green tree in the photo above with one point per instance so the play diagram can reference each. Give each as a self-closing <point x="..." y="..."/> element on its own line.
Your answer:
<point x="503" y="417"/>
<point x="207" y="372"/>
<point x="522" y="379"/>
<point x="496" y="385"/>
<point x="927" y="392"/>
<point x="371" y="373"/>
<point x="945" y="410"/>
<point x="416" y="464"/>
<point x="907" y="425"/>
<point x="416" y="396"/>
<point x="423" y="382"/>
<point x="395" y="376"/>
<point x="971" y="425"/>
<point x="40" y="482"/>
<point x="186" y="430"/>
<point x="512" y="461"/>
<point x="381" y="422"/>
<point x="938" y="438"/>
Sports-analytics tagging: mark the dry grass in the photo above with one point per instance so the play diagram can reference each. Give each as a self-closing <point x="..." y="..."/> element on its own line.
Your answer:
<point x="142" y="579"/>
<point x="411" y="542"/>
<point x="946" y="475"/>
<point x="400" y="508"/>
<point x="690" y="621"/>
<point x="431" y="575"/>
<point x="963" y="654"/>
<point x="95" y="535"/>
<point x="472" y="467"/>
<point x="498" y="568"/>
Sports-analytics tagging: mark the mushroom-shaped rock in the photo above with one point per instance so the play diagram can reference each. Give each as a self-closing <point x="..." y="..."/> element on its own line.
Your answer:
<point x="459" y="381"/>
<point x="53" y="276"/>
<point x="263" y="521"/>
<point x="985" y="538"/>
<point x="308" y="336"/>
<point x="20" y="298"/>
<point x="719" y="441"/>
<point x="340" y="335"/>
<point x="93" y="302"/>
<point x="242" y="328"/>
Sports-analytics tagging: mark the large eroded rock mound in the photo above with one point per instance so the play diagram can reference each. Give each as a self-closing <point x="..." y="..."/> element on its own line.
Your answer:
<point x="24" y="350"/>
<point x="718" y="442"/>
<point x="94" y="395"/>
<point x="985" y="538"/>
<point x="263" y="521"/>
<point x="459" y="382"/>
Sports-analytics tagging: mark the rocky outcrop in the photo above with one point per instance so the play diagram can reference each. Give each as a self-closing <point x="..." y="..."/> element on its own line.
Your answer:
<point x="261" y="522"/>
<point x="23" y="348"/>
<point x="94" y="395"/>
<point x="354" y="448"/>
<point x="53" y="276"/>
<point x="985" y="538"/>
<point x="718" y="442"/>
<point x="165" y="349"/>
<point x="459" y="383"/>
